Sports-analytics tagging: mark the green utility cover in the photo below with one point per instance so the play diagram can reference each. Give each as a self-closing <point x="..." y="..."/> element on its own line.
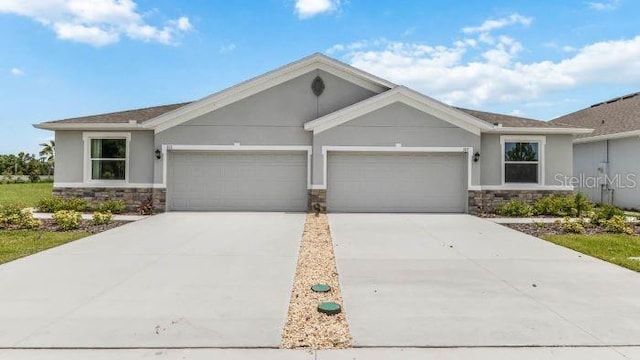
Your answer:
<point x="329" y="308"/>
<point x="321" y="288"/>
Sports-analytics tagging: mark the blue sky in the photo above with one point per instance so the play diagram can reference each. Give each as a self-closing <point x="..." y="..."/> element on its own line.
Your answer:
<point x="540" y="59"/>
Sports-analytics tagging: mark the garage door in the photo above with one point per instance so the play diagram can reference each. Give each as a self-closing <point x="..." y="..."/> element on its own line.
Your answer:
<point x="226" y="181"/>
<point x="386" y="182"/>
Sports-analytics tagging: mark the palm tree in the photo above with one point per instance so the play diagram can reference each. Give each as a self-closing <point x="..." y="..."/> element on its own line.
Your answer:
<point x="48" y="150"/>
<point x="48" y="154"/>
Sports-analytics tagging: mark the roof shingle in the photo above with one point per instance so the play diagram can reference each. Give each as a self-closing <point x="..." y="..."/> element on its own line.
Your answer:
<point x="137" y="115"/>
<point x="614" y="116"/>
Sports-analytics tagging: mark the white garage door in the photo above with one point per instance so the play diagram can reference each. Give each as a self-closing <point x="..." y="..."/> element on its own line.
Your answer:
<point x="231" y="181"/>
<point x="386" y="182"/>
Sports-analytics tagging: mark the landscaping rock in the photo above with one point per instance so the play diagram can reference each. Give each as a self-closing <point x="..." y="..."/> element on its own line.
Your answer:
<point x="305" y="326"/>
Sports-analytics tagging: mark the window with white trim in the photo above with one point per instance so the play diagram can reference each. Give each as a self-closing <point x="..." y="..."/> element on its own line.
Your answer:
<point x="521" y="162"/>
<point x="106" y="157"/>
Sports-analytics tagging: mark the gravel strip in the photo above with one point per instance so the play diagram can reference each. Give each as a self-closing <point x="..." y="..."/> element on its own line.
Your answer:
<point x="305" y="326"/>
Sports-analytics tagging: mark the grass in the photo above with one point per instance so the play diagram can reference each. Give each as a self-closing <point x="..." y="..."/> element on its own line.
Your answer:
<point x="20" y="243"/>
<point x="25" y="194"/>
<point x="614" y="248"/>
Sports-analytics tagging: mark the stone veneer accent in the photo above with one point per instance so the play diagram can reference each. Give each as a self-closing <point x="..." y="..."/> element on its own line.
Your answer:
<point x="130" y="196"/>
<point x="317" y="198"/>
<point x="486" y="201"/>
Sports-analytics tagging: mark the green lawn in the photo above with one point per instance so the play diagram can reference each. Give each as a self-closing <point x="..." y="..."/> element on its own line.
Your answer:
<point x="26" y="194"/>
<point x="20" y="243"/>
<point x="614" y="248"/>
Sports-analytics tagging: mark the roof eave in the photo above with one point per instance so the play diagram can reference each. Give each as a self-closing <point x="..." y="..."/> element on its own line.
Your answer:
<point x="263" y="82"/>
<point x="89" y="126"/>
<point x="620" y="135"/>
<point x="539" y="130"/>
<point x="398" y="94"/>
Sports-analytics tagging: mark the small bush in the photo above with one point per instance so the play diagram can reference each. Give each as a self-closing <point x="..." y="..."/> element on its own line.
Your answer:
<point x="112" y="206"/>
<point x="54" y="204"/>
<point x="618" y="224"/>
<point x="67" y="219"/>
<point x="146" y="206"/>
<point x="605" y="212"/>
<point x="572" y="227"/>
<point x="515" y="208"/>
<point x="49" y="204"/>
<point x="102" y="218"/>
<point x="13" y="215"/>
<point x="75" y="204"/>
<point x="582" y="204"/>
<point x="555" y="205"/>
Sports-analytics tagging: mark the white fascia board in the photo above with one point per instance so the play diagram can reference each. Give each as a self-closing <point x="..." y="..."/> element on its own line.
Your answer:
<point x="620" y="135"/>
<point x="238" y="147"/>
<point x="402" y="95"/>
<point x="264" y="82"/>
<point x="89" y="126"/>
<point x="542" y="131"/>
<point x="521" y="187"/>
<point x="118" y="185"/>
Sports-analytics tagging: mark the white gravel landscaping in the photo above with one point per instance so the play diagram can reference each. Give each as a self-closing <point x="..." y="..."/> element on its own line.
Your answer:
<point x="305" y="326"/>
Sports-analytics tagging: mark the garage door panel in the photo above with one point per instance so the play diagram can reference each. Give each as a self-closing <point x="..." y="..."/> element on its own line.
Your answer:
<point x="386" y="182"/>
<point x="237" y="182"/>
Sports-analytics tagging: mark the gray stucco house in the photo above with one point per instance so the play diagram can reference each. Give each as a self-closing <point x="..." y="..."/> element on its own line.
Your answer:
<point x="314" y="132"/>
<point x="605" y="163"/>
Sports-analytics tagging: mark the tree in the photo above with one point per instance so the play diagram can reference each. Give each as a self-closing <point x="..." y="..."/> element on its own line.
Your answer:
<point x="48" y="154"/>
<point x="48" y="150"/>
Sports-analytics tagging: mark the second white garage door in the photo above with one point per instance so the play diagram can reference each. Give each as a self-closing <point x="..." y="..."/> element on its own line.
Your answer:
<point x="394" y="182"/>
<point x="232" y="181"/>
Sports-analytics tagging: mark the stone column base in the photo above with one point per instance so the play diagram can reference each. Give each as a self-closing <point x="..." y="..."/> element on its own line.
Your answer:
<point x="317" y="200"/>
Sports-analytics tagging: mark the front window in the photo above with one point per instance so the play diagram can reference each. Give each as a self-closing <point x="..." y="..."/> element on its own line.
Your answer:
<point x="108" y="159"/>
<point x="521" y="162"/>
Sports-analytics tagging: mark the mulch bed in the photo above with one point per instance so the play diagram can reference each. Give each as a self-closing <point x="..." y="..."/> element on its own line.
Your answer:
<point x="305" y="326"/>
<point x="85" y="225"/>
<point x="540" y="229"/>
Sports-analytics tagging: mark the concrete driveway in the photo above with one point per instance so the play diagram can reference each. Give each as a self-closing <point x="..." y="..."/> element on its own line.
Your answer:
<point x="457" y="280"/>
<point x="172" y="280"/>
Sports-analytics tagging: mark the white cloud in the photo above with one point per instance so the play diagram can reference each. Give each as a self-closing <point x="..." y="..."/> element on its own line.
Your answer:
<point x="96" y="22"/>
<point x="494" y="24"/>
<point x="604" y="6"/>
<point x="225" y="49"/>
<point x="16" y="71"/>
<point x="309" y="8"/>
<point x="480" y="72"/>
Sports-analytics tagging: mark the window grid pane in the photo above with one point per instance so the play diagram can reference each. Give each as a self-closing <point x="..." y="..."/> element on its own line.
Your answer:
<point x="108" y="159"/>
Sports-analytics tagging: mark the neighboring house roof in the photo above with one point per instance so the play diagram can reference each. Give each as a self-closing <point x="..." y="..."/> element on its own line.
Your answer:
<point x="615" y="118"/>
<point x="160" y="118"/>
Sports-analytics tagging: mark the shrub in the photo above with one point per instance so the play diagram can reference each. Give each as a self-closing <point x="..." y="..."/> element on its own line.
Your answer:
<point x="54" y="204"/>
<point x="102" y="218"/>
<point x="75" y="204"/>
<point x="146" y="206"/>
<point x="67" y="219"/>
<point x="112" y="206"/>
<point x="555" y="205"/>
<point x="573" y="227"/>
<point x="49" y="204"/>
<point x="605" y="212"/>
<point x="515" y="207"/>
<point x="13" y="215"/>
<point x="618" y="224"/>
<point x="582" y="204"/>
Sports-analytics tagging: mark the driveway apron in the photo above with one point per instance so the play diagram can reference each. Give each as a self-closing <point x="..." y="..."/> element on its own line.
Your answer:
<point x="458" y="280"/>
<point x="172" y="280"/>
